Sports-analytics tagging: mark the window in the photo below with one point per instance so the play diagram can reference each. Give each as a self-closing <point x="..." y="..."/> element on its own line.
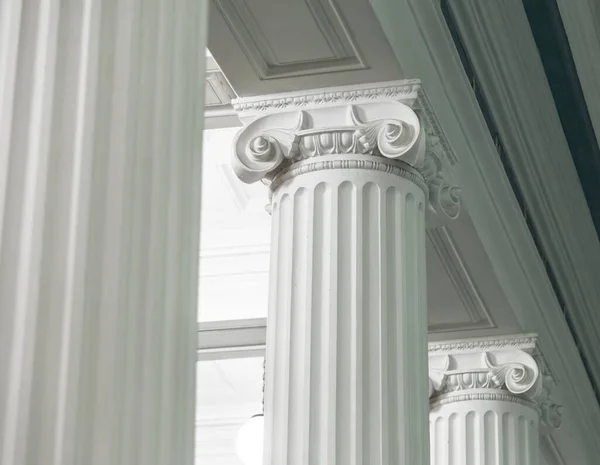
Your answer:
<point x="233" y="284"/>
<point x="235" y="238"/>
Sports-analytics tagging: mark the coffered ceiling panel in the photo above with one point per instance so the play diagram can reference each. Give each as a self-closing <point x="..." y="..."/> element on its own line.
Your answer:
<point x="454" y="301"/>
<point x="265" y="46"/>
<point x="316" y="37"/>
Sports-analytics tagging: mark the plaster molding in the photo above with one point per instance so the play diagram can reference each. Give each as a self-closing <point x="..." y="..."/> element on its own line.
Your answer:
<point x="522" y="342"/>
<point x="480" y="396"/>
<point x="336" y="163"/>
<point x="376" y="121"/>
<point x="231" y="339"/>
<point x="218" y="112"/>
<point x="504" y="368"/>
<point x="406" y="92"/>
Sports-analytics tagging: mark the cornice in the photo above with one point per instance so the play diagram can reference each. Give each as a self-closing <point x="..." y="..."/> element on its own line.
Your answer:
<point x="526" y="342"/>
<point x="405" y="91"/>
<point x="436" y="139"/>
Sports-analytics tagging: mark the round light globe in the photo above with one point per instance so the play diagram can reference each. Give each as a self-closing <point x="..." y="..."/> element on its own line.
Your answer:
<point x="249" y="443"/>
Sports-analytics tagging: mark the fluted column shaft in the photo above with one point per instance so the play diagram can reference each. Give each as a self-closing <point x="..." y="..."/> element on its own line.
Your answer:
<point x="353" y="174"/>
<point x="346" y="340"/>
<point x="484" y="432"/>
<point x="100" y="130"/>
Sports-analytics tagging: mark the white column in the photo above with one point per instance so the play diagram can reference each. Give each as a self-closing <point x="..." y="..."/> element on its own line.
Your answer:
<point x="351" y="179"/>
<point x="489" y="401"/>
<point x="100" y="131"/>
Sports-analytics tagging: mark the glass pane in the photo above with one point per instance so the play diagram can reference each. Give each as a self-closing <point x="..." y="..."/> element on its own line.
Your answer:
<point x="235" y="237"/>
<point x="229" y="393"/>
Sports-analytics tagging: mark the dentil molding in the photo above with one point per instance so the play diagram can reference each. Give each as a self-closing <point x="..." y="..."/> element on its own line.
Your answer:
<point x="385" y="127"/>
<point x="507" y="369"/>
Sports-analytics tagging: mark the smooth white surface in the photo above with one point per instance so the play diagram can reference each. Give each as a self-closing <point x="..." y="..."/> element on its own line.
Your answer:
<point x="250" y="440"/>
<point x="99" y="224"/>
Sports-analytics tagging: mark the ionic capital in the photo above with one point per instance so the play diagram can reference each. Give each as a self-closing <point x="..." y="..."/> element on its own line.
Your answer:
<point x="508" y="369"/>
<point x="385" y="127"/>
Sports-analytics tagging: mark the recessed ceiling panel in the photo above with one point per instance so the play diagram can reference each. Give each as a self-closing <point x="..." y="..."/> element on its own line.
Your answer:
<point x="288" y="38"/>
<point x="454" y="302"/>
<point x="266" y="46"/>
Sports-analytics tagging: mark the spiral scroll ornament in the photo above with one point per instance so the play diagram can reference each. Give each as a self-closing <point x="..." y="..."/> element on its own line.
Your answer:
<point x="391" y="138"/>
<point x="517" y="378"/>
<point x="258" y="156"/>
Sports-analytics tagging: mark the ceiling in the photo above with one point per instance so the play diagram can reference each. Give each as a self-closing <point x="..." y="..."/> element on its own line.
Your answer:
<point x="262" y="50"/>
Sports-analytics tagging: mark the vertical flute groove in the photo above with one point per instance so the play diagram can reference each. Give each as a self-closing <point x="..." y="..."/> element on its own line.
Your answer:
<point x="318" y="323"/>
<point x="383" y="334"/>
<point x="332" y="334"/>
<point x="298" y="392"/>
<point x="355" y="351"/>
<point x="470" y="432"/>
<point x="390" y="283"/>
<point x="283" y="333"/>
<point x="346" y="264"/>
